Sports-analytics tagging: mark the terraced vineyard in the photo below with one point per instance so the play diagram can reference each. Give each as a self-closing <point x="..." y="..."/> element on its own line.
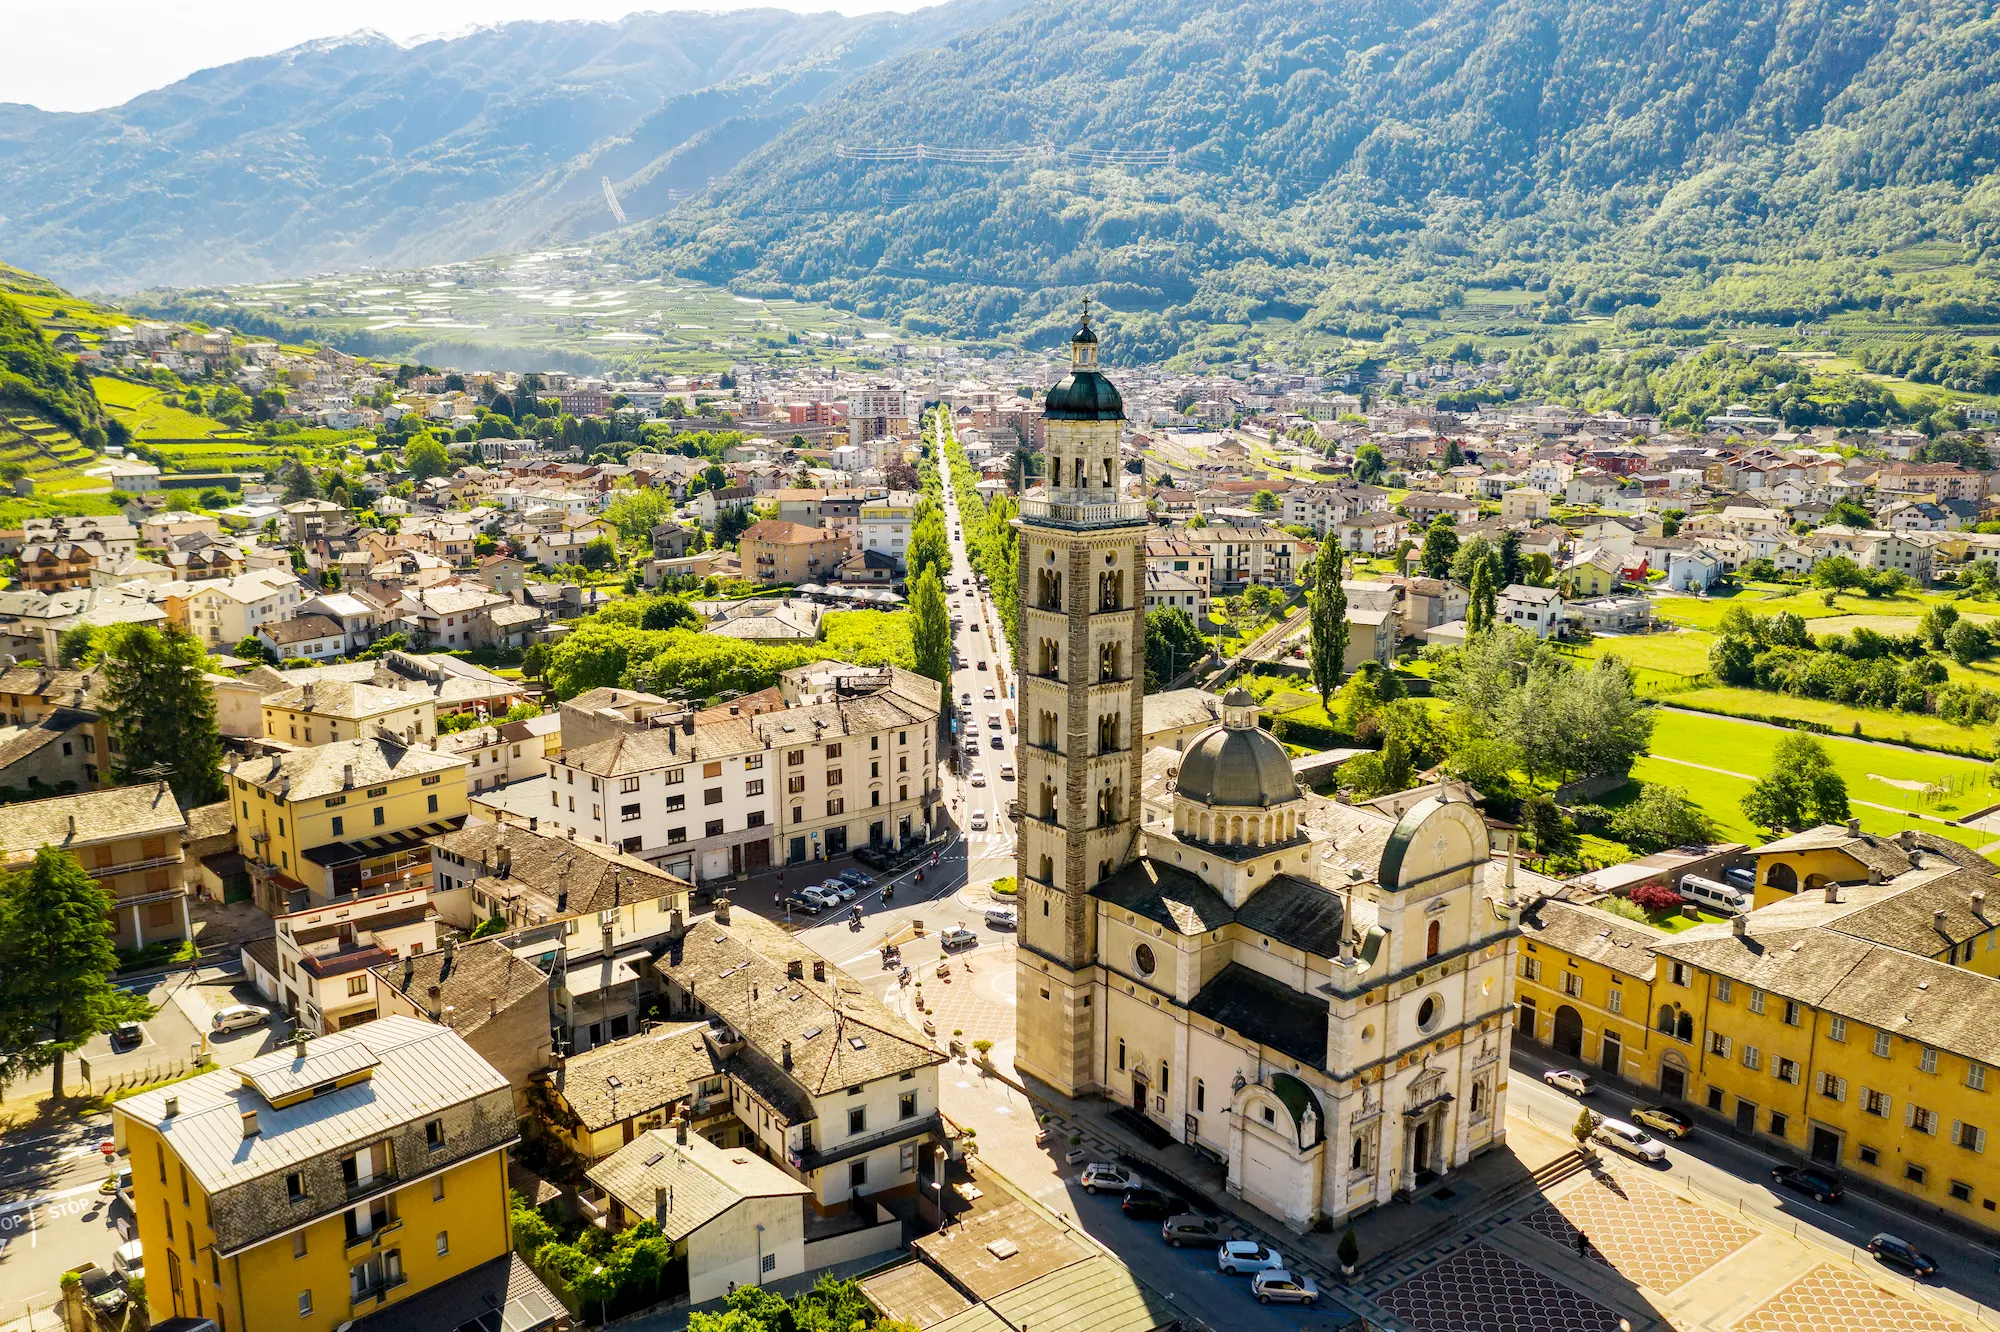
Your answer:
<point x="54" y="458"/>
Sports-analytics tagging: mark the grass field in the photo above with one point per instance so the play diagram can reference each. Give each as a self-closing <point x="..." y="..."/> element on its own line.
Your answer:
<point x="1721" y="797"/>
<point x="1884" y="774"/>
<point x="148" y="414"/>
<point x="1769" y="599"/>
<point x="1896" y="727"/>
<point x="1681" y="654"/>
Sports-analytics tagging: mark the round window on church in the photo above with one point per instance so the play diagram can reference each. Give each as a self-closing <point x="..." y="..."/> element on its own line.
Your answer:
<point x="1427" y="1012"/>
<point x="1142" y="958"/>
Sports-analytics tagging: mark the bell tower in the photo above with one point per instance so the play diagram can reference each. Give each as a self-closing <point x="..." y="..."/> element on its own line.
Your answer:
<point x="1082" y="674"/>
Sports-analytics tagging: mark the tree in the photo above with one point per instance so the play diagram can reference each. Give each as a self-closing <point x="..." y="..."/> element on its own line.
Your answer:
<point x="1264" y="501"/>
<point x="1586" y="1124"/>
<point x="77" y="645"/>
<point x="56" y="991"/>
<point x="1838" y="573"/>
<point x="930" y="548"/>
<point x="1369" y="464"/>
<point x="1935" y="623"/>
<point x="424" y="458"/>
<point x="1968" y="641"/>
<point x="298" y="480"/>
<point x="1327" y="620"/>
<point x="1661" y="817"/>
<point x="1511" y="567"/>
<point x="930" y="627"/>
<point x="1732" y="660"/>
<point x="1548" y="831"/>
<point x="1481" y="606"/>
<point x="1802" y="789"/>
<point x="1440" y="548"/>
<point x="161" y="712"/>
<point x="664" y="613"/>
<point x="252" y="648"/>
<point x="598" y="553"/>
<point x="1849" y="513"/>
<point x="1173" y="643"/>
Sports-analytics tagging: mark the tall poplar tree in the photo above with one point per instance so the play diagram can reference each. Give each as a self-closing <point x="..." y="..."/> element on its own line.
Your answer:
<point x="930" y="628"/>
<point x="1479" y="610"/>
<point x="161" y="712"/>
<point x="1327" y="620"/>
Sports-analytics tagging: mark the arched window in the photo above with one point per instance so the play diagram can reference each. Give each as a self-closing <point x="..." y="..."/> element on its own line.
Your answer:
<point x="1431" y="939"/>
<point x="1684" y="1028"/>
<point x="1666" y="1023"/>
<point x="1783" y="877"/>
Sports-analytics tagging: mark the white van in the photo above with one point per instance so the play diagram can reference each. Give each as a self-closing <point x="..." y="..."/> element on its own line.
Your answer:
<point x="1723" y="898"/>
<point x="1631" y="1140"/>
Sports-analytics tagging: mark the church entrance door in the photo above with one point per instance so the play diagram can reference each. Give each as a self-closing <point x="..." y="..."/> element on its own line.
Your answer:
<point x="1139" y="1095"/>
<point x="1420" y="1152"/>
<point x="1569" y="1031"/>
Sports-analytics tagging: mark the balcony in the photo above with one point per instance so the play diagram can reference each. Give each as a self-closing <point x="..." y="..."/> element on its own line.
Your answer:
<point x="359" y="1188"/>
<point x="1096" y="513"/>
<point x="358" y="1243"/>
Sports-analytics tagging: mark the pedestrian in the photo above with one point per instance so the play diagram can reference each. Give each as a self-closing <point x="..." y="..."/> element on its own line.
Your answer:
<point x="1582" y="1245"/>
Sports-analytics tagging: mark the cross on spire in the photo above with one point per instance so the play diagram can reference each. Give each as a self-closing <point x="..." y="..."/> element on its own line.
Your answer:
<point x="1086" y="311"/>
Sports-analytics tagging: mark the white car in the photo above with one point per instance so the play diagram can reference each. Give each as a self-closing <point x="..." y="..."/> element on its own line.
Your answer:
<point x="989" y="692"/>
<point x="965" y="697"/>
<point x="820" y="897"/>
<point x="130" y="1260"/>
<point x="1248" y="1256"/>
<point x="978" y="823"/>
<point x="1283" y="1287"/>
<point x="1006" y="772"/>
<point x="1631" y="1140"/>
<point x="978" y="777"/>
<point x="1001" y="918"/>
<point x="992" y="721"/>
<point x="238" y="1016"/>
<point x="1569" y="1080"/>
<point x="957" y="937"/>
<point x="1103" y="1175"/>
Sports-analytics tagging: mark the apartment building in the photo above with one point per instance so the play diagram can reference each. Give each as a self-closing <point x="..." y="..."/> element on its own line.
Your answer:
<point x="825" y="1081"/>
<point x="533" y="876"/>
<point x="333" y="1183"/>
<point x="1247" y="553"/>
<point x="343" y="819"/>
<point x="320" y="712"/>
<point x="129" y="838"/>
<point x="1320" y="507"/>
<point x="67" y="707"/>
<point x="506" y="752"/>
<point x="876" y="411"/>
<point x="774" y="551"/>
<point x="886" y="522"/>
<point x="852" y="747"/>
<point x="1176" y="553"/>
<point x="221" y="612"/>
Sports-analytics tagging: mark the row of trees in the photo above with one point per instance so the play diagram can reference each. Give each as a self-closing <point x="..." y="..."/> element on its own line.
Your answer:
<point x="1863" y="668"/>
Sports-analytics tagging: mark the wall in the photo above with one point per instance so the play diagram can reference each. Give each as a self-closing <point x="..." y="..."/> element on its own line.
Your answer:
<point x="883" y="1238"/>
<point x="726" y="1249"/>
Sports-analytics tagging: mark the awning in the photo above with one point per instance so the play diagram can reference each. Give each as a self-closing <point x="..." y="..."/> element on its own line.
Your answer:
<point x="365" y="848"/>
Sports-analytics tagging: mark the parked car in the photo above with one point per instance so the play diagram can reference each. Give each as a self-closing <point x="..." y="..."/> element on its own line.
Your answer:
<point x="1820" y="1184"/>
<point x="978" y="822"/>
<point x="1901" y="1253"/>
<point x="841" y="889"/>
<point x="1284" y="1288"/>
<point x="1666" y="1122"/>
<point x="957" y="937"/>
<point x="1190" y="1228"/>
<point x="1148" y="1204"/>
<point x="855" y="877"/>
<point x="811" y="906"/>
<point x="820" y="896"/>
<point x="1001" y="918"/>
<point x="119" y="1182"/>
<point x="127" y="1036"/>
<point x="1631" y="1140"/>
<point x="101" y="1288"/>
<point x="1248" y="1256"/>
<point x="1569" y="1080"/>
<point x="235" y="1017"/>
<point x="129" y="1262"/>
<point x="1103" y="1175"/>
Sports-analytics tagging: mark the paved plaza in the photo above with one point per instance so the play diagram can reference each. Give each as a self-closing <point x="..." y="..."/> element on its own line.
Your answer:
<point x="1830" y="1299"/>
<point x="1650" y="1236"/>
<point x="1480" y="1287"/>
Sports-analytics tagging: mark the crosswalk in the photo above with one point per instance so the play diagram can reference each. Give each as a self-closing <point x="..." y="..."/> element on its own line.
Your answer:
<point x="990" y="839"/>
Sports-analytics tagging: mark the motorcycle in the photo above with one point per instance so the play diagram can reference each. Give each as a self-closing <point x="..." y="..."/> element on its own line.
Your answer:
<point x="920" y="876"/>
<point x="888" y="894"/>
<point x="903" y="976"/>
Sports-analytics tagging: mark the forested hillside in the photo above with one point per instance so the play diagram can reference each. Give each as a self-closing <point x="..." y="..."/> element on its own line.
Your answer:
<point x="1679" y="163"/>
<point x="39" y="380"/>
<point x="359" y="151"/>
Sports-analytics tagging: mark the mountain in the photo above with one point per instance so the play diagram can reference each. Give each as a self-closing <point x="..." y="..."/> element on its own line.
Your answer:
<point x="358" y="151"/>
<point x="1671" y="162"/>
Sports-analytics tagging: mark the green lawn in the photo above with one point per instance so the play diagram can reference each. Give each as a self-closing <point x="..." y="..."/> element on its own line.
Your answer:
<point x="1721" y="797"/>
<point x="1896" y="727"/>
<point x="1746" y="747"/>
<point x="1770" y="598"/>
<point x="1684" y="653"/>
<point x="146" y="411"/>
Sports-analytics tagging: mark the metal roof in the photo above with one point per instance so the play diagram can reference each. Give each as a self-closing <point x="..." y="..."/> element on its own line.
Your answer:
<point x="288" y="1072"/>
<point x="420" y="1069"/>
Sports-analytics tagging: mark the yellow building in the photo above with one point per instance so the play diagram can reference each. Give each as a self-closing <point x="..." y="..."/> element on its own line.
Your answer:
<point x="326" y="710"/>
<point x="323" y="1183"/>
<point x="1843" y="854"/>
<point x="1584" y="983"/>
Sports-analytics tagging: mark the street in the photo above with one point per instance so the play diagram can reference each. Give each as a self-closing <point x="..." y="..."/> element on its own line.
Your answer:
<point x="53" y="1216"/>
<point x="1732" y="1174"/>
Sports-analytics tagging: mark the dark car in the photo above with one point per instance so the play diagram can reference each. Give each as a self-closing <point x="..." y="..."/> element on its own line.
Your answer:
<point x="1903" y="1254"/>
<point x="1151" y="1205"/>
<point x="1191" y="1228"/>
<point x="1823" y="1187"/>
<point x="803" y="904"/>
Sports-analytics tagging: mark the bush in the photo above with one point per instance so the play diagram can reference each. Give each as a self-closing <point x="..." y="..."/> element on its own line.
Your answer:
<point x="1618" y="906"/>
<point x="1654" y="897"/>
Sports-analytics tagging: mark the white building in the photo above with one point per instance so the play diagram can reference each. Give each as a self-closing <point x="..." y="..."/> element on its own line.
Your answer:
<point x="221" y="612"/>
<point x="1539" y="610"/>
<point x="885" y="525"/>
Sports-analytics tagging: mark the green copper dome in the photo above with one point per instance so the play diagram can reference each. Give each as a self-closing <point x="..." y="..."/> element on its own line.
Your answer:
<point x="1083" y="395"/>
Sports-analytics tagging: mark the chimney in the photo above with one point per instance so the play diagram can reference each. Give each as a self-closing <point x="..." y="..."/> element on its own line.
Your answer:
<point x="72" y="825"/>
<point x="1907" y="838"/>
<point x="1875" y="875"/>
<point x="1979" y="901"/>
<point x="660" y="1206"/>
<point x="784" y="1054"/>
<point x="1739" y="924"/>
<point x="299" y="1043"/>
<point x="1832" y="893"/>
<point x="1937" y="920"/>
<point x="722" y="911"/>
<point x="1507" y="888"/>
<point x="604" y="948"/>
<point x="1854" y="827"/>
<point x="346" y="775"/>
<point x="681" y="1130"/>
<point x="173" y="1107"/>
<point x="819" y="969"/>
<point x="676" y="927"/>
<point x="492" y="1005"/>
<point x="249" y="1123"/>
<point x="795" y="969"/>
<point x="534" y="822"/>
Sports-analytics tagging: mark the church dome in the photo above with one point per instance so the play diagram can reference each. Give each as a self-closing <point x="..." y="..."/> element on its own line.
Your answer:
<point x="1236" y="763"/>
<point x="1083" y="395"/>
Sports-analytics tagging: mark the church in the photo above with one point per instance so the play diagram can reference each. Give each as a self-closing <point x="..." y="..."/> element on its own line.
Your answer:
<point x="1315" y="993"/>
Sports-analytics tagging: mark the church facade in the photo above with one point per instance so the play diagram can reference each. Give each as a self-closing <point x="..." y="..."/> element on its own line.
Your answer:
<point x="1316" y="994"/>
